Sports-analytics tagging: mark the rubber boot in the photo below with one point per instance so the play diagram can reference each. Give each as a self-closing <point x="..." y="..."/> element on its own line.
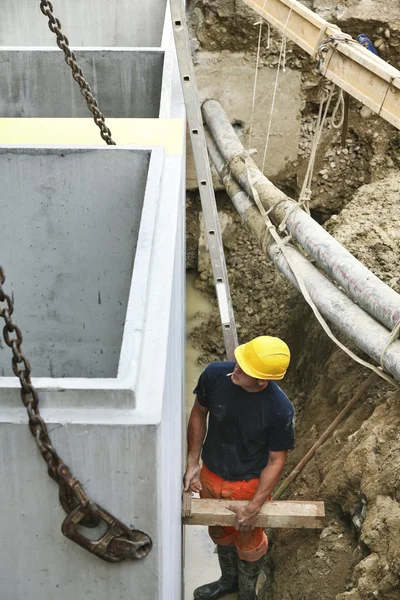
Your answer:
<point x="248" y="575"/>
<point x="228" y="582"/>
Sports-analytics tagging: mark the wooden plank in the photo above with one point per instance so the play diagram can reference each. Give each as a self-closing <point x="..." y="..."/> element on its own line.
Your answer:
<point x="187" y="504"/>
<point x="352" y="67"/>
<point x="280" y="514"/>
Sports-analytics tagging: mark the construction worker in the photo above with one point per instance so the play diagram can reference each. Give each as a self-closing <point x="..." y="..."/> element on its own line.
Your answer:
<point x="250" y="431"/>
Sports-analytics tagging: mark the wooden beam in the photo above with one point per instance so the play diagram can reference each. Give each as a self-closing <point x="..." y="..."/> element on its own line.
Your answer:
<point x="280" y="514"/>
<point x="352" y="67"/>
<point x="187" y="504"/>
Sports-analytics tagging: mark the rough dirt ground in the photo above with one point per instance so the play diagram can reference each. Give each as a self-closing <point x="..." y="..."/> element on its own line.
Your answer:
<point x="356" y="194"/>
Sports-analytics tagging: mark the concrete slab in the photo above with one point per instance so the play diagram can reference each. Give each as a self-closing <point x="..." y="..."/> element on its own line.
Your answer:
<point x="38" y="83"/>
<point x="89" y="23"/>
<point x="229" y="78"/>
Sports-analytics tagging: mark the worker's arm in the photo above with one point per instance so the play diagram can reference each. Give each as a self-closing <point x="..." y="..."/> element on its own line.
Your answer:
<point x="196" y="432"/>
<point x="246" y="516"/>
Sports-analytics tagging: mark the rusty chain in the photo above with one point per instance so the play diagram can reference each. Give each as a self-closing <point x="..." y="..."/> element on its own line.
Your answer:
<point x="70" y="58"/>
<point x="119" y="542"/>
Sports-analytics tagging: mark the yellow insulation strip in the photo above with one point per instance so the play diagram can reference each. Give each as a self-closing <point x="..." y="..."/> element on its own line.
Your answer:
<point x="168" y="133"/>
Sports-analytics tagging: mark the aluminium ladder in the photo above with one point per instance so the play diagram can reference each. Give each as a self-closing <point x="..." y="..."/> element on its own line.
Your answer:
<point x="204" y="177"/>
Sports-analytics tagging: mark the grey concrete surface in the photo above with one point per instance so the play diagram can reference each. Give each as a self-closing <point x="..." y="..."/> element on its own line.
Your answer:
<point x="86" y="23"/>
<point x="122" y="434"/>
<point x="116" y="467"/>
<point x="38" y="83"/>
<point x="229" y="78"/>
<point x="71" y="221"/>
<point x="172" y="447"/>
<point x="129" y="461"/>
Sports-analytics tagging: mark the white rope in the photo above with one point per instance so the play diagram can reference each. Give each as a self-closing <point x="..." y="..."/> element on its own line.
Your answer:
<point x="394" y="335"/>
<point x="303" y="289"/>
<point x="256" y="72"/>
<point x="339" y="103"/>
<point x="281" y="53"/>
<point x="322" y="114"/>
<point x="305" y="194"/>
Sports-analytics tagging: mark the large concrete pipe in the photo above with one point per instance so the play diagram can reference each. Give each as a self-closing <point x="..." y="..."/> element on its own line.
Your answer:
<point x="377" y="298"/>
<point x="369" y="335"/>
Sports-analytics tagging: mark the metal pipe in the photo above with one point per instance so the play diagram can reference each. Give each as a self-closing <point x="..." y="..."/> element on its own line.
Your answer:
<point x="369" y="335"/>
<point x="377" y="298"/>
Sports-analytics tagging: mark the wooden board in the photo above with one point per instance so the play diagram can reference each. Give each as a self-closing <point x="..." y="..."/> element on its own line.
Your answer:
<point x="280" y="514"/>
<point x="187" y="504"/>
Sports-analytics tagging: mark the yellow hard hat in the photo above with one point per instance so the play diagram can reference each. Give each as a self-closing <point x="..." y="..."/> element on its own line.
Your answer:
<point x="265" y="357"/>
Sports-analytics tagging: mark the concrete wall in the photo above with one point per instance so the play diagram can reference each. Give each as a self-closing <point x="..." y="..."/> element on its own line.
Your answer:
<point x="39" y="83"/>
<point x="121" y="434"/>
<point x="115" y="463"/>
<point x="122" y="439"/>
<point x="85" y="23"/>
<point x="73" y="219"/>
<point x="172" y="427"/>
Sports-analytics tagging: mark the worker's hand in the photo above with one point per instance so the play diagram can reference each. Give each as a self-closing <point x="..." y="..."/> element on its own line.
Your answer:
<point x="245" y="517"/>
<point x="191" y="479"/>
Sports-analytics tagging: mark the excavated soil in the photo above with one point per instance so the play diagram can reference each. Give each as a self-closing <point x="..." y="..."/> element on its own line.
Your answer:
<point x="356" y="191"/>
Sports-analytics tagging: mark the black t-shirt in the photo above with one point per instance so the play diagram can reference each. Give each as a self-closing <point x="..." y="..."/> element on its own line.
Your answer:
<point x="243" y="426"/>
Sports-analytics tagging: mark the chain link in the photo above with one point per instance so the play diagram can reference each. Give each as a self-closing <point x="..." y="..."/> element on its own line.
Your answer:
<point x="119" y="542"/>
<point x="22" y="369"/>
<point x="63" y="43"/>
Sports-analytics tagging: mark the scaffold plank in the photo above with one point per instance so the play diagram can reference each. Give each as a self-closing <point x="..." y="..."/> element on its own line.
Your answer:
<point x="280" y="514"/>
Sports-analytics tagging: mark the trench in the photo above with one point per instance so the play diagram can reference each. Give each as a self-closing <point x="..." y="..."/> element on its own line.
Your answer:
<point x="355" y="197"/>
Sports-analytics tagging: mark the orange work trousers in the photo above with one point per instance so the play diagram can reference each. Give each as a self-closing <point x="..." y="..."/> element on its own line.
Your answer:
<point x="250" y="545"/>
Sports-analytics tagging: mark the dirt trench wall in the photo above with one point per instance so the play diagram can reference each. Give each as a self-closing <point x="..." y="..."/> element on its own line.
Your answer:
<point x="355" y="193"/>
<point x="356" y="472"/>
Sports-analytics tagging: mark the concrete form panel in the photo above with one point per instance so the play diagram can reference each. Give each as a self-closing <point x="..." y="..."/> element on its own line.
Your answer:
<point x="38" y="83"/>
<point x="133" y="470"/>
<point x="89" y="23"/>
<point x="116" y="466"/>
<point x="70" y="230"/>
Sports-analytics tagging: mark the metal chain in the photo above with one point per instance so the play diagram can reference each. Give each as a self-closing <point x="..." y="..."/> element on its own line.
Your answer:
<point x="119" y="542"/>
<point x="63" y="43"/>
<point x="22" y="369"/>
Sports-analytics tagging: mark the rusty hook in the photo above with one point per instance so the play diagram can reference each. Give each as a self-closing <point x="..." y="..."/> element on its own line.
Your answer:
<point x="118" y="542"/>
